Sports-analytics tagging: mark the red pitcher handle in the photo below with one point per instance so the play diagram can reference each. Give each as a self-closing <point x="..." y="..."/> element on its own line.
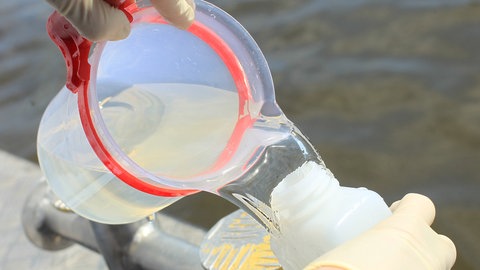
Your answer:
<point x="74" y="47"/>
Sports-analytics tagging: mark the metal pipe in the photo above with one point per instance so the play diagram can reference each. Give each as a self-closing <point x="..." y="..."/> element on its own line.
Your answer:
<point x="54" y="228"/>
<point x="176" y="254"/>
<point x="160" y="243"/>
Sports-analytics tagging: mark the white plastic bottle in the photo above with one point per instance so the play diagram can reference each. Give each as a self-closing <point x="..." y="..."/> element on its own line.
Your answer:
<point x="315" y="214"/>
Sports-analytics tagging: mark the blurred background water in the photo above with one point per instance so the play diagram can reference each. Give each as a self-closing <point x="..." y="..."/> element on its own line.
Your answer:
<point x="387" y="91"/>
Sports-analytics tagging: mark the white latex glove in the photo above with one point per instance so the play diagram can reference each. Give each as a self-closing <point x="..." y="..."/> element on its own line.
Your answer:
<point x="402" y="241"/>
<point x="97" y="20"/>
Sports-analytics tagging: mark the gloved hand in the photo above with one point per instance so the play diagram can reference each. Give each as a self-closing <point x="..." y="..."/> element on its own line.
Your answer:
<point x="402" y="241"/>
<point x="97" y="20"/>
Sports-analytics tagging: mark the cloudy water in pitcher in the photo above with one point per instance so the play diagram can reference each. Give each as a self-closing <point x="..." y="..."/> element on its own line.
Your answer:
<point x="87" y="189"/>
<point x="177" y="130"/>
<point x="173" y="130"/>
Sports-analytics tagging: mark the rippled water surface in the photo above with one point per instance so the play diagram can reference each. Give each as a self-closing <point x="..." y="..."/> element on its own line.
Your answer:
<point x="388" y="91"/>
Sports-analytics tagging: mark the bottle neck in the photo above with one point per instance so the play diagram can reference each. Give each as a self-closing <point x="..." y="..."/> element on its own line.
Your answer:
<point x="297" y="198"/>
<point x="252" y="191"/>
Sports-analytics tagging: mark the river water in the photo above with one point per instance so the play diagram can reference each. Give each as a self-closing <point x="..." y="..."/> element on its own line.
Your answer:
<point x="387" y="91"/>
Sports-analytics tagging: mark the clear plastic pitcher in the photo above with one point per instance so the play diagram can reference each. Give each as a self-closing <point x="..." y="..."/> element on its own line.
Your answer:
<point x="154" y="117"/>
